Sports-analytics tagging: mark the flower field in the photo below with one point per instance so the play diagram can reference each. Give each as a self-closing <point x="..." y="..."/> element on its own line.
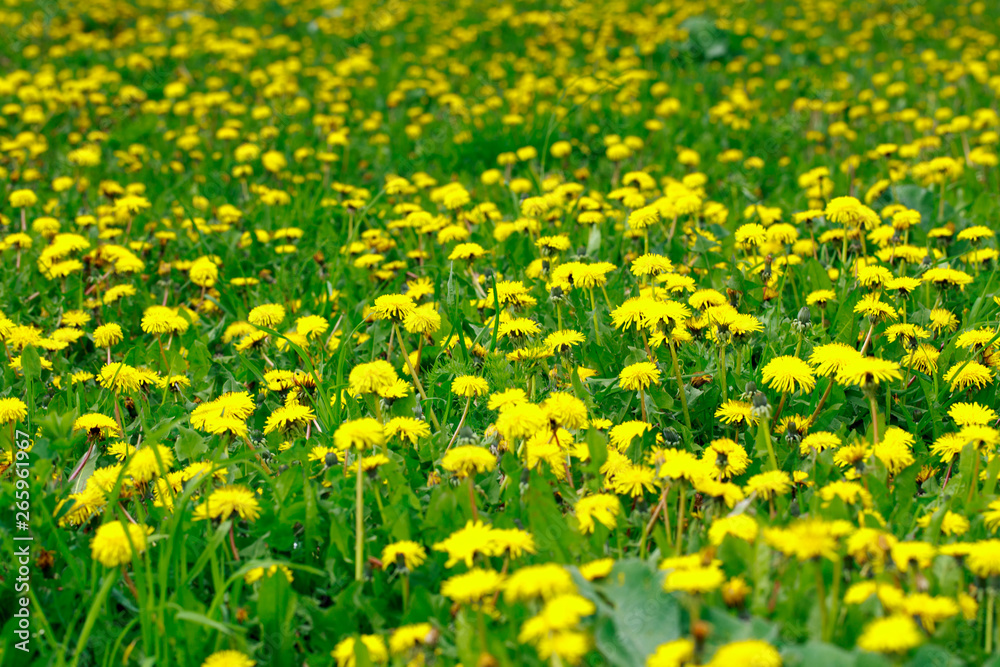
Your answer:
<point x="499" y="333"/>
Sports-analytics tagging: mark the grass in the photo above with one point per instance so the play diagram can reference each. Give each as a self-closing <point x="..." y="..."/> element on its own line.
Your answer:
<point x="242" y="187"/>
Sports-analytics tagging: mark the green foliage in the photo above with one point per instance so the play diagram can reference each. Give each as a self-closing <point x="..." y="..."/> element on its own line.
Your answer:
<point x="237" y="185"/>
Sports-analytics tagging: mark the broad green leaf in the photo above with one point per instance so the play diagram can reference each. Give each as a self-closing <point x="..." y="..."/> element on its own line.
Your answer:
<point x="31" y="363"/>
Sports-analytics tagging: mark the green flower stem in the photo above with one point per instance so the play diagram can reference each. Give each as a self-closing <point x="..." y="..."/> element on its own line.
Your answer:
<point x="990" y="602"/>
<point x="481" y="625"/>
<point x="838" y="573"/>
<point x="472" y="498"/>
<point x="722" y="373"/>
<point x="388" y="348"/>
<point x="503" y="573"/>
<point x="249" y="444"/>
<point x="781" y="406"/>
<point x="763" y="427"/>
<point x="888" y="402"/>
<point x="994" y="629"/>
<point x="868" y="339"/>
<point x="95" y="608"/>
<point x="642" y="402"/>
<point x="652" y="520"/>
<point x="874" y="410"/>
<point x="378" y="501"/>
<point x="822" y="401"/>
<point x="795" y="290"/>
<point x="607" y="300"/>
<point x="680" y="519"/>
<point x="680" y="387"/>
<point x="593" y="307"/>
<point x="232" y="543"/>
<point x="163" y="356"/>
<point x="781" y="290"/>
<point x="359" y="537"/>
<point x="974" y="479"/>
<point x="843" y="252"/>
<point x="695" y="609"/>
<point x="47" y="635"/>
<point x="906" y="383"/>
<point x="821" y="596"/>
<point x="940" y="216"/>
<point x="416" y="378"/>
<point x="465" y="412"/>
<point x="118" y="415"/>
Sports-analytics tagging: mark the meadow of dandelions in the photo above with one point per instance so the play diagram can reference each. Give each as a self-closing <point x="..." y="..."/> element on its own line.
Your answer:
<point x="500" y="333"/>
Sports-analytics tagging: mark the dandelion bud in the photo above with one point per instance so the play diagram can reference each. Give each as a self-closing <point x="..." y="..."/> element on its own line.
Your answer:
<point x="733" y="294"/>
<point x="792" y="434"/>
<point x="487" y="660"/>
<point x="466" y="436"/>
<point x="804" y="320"/>
<point x="670" y="436"/>
<point x="330" y="459"/>
<point x="401" y="563"/>
<point x="868" y="387"/>
<point x="761" y="408"/>
<point x="700" y="630"/>
<point x="734" y="593"/>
